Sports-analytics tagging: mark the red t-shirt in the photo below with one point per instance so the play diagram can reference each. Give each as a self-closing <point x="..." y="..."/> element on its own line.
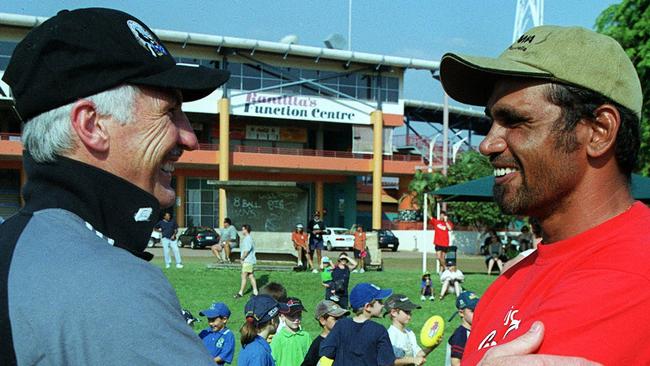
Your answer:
<point x="441" y="232"/>
<point x="591" y="291"/>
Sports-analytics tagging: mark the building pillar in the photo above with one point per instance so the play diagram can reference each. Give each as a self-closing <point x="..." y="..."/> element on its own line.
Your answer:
<point x="180" y="200"/>
<point x="376" y="118"/>
<point x="320" y="197"/>
<point x="224" y="155"/>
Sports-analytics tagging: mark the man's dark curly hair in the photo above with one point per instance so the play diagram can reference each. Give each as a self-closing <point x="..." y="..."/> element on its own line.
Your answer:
<point x="579" y="103"/>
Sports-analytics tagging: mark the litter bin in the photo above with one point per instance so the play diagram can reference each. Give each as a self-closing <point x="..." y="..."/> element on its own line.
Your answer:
<point x="373" y="258"/>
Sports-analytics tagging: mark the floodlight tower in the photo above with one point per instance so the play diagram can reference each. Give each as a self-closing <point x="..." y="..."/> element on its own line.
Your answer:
<point x="527" y="10"/>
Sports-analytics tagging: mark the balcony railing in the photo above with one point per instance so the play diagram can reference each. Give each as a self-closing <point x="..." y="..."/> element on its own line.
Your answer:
<point x="10" y="137"/>
<point x="277" y="151"/>
<point x="309" y="152"/>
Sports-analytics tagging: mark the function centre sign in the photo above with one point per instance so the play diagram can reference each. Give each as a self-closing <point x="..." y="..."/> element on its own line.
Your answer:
<point x="301" y="107"/>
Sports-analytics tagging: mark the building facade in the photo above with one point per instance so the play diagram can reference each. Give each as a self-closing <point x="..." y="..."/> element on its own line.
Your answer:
<point x="295" y="130"/>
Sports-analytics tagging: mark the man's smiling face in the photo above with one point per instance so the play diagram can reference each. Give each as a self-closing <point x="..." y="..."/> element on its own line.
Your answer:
<point x="533" y="170"/>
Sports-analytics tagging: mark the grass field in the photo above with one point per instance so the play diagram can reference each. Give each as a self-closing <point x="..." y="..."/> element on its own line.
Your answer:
<point x="198" y="286"/>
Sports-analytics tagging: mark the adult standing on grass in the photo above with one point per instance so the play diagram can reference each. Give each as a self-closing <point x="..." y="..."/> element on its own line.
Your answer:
<point x="316" y="228"/>
<point x="248" y="261"/>
<point x="565" y="105"/>
<point x="359" y="249"/>
<point x="100" y="97"/>
<point x="169" y="229"/>
<point x="227" y="241"/>
<point x="442" y="227"/>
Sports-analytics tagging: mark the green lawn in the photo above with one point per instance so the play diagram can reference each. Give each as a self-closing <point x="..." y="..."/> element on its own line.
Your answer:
<point x="197" y="287"/>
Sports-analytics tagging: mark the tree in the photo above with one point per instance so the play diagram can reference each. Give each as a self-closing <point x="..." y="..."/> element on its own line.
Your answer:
<point x="629" y="24"/>
<point x="469" y="165"/>
<point x="479" y="215"/>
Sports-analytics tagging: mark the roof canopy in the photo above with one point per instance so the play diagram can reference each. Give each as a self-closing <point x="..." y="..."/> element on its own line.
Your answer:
<point x="480" y="190"/>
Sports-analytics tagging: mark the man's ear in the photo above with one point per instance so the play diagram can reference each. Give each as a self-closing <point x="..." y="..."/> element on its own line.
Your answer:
<point x="89" y="127"/>
<point x="603" y="130"/>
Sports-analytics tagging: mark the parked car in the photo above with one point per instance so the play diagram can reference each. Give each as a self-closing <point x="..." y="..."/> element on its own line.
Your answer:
<point x="198" y="237"/>
<point x="338" y="238"/>
<point x="154" y="239"/>
<point x="388" y="240"/>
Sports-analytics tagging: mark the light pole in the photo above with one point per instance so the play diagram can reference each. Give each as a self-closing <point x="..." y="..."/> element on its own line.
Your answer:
<point x="432" y="143"/>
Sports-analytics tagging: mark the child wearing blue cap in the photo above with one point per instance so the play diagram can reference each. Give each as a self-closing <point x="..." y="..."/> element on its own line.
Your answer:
<point x="359" y="340"/>
<point x="217" y="338"/>
<point x="261" y="313"/>
<point x="465" y="303"/>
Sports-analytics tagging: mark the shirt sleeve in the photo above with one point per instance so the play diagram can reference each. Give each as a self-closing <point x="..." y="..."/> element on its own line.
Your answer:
<point x="385" y="355"/>
<point x="311" y="358"/>
<point x="414" y="342"/>
<point x="330" y="343"/>
<point x="457" y="343"/>
<point x="228" y="348"/>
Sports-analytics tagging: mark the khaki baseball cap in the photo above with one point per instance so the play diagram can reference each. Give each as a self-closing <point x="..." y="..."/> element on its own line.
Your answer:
<point x="568" y="55"/>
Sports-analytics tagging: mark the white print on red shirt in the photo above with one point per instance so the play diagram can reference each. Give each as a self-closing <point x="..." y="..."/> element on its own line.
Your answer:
<point x="508" y="321"/>
<point x="511" y="321"/>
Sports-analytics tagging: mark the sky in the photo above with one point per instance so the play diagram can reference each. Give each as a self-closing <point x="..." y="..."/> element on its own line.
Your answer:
<point x="424" y="29"/>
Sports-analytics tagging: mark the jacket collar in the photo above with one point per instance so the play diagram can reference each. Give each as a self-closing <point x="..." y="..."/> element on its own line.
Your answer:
<point x="119" y="210"/>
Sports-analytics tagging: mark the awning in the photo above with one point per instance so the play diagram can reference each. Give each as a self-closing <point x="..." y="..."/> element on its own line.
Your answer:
<point x="481" y="190"/>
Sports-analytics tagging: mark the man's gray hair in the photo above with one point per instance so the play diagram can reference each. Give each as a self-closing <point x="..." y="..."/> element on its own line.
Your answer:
<point x="50" y="133"/>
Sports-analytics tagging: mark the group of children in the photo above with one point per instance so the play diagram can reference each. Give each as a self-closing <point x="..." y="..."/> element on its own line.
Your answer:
<point x="272" y="332"/>
<point x="451" y="280"/>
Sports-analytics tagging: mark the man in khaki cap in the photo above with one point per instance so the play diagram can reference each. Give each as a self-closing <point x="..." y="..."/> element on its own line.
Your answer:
<point x="565" y="106"/>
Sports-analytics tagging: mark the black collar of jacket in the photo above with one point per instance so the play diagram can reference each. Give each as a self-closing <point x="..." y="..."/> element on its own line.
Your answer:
<point x="113" y="206"/>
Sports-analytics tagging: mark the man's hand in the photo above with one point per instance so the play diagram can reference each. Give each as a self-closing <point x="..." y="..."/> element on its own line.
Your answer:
<point x="520" y="352"/>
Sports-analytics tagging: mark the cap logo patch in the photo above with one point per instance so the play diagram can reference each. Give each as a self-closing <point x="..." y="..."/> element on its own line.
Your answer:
<point x="143" y="214"/>
<point x="521" y="42"/>
<point x="146" y="39"/>
<point x="273" y="311"/>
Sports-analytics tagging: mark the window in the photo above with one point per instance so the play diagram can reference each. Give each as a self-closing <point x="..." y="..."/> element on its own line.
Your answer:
<point x="6" y="49"/>
<point x="356" y="85"/>
<point x="201" y="206"/>
<point x="197" y="61"/>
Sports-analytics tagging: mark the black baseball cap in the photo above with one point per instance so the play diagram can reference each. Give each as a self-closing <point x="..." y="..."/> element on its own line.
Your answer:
<point x="82" y="52"/>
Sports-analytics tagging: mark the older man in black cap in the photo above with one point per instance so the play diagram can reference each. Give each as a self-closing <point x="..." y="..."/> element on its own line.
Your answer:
<point x="100" y="96"/>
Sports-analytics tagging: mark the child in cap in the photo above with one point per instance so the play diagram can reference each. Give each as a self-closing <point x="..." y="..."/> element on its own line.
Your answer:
<point x="451" y="279"/>
<point x="405" y="345"/>
<point x="217" y="338"/>
<point x="465" y="303"/>
<point x="261" y="313"/>
<point x="359" y="340"/>
<point x="290" y="344"/>
<point x="341" y="278"/>
<point x="299" y="239"/>
<point x="426" y="287"/>
<point x="327" y="313"/>
<point x="326" y="279"/>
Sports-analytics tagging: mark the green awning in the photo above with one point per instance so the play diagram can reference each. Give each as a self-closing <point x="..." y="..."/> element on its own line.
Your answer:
<point x="481" y="190"/>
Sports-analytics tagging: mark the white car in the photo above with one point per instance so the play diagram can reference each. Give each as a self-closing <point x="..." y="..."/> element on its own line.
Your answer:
<point x="338" y="238"/>
<point x="154" y="239"/>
